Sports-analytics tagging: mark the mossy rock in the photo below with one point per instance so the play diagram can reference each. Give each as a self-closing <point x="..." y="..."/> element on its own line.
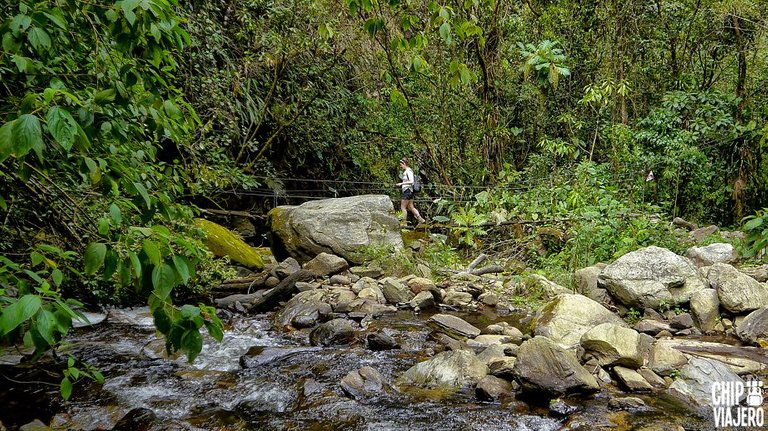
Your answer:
<point x="223" y="242"/>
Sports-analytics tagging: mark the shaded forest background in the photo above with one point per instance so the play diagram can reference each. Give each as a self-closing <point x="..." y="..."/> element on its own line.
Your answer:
<point x="120" y="120"/>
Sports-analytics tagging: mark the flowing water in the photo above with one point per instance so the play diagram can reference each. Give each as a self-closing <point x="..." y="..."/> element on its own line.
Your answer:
<point x="289" y="385"/>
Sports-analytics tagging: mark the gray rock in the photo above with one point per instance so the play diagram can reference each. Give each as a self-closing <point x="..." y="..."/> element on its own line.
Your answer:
<point x="454" y="325"/>
<point x="702" y="233"/>
<point x="325" y="264"/>
<point x="737" y="291"/>
<point x="341" y="226"/>
<point x="336" y="331"/>
<point x="705" y="307"/>
<point x="286" y="267"/>
<point x="364" y="383"/>
<point x="681" y="321"/>
<point x="452" y="370"/>
<point x="632" y="380"/>
<point x="367" y="271"/>
<point x="558" y="407"/>
<point x="268" y="399"/>
<point x="694" y="386"/>
<point x="307" y="308"/>
<point x="364" y="282"/>
<point x="759" y="273"/>
<point x="373" y="293"/>
<point x="585" y="279"/>
<point x="628" y="404"/>
<point x="339" y="279"/>
<point x="380" y="341"/>
<point x="457" y="299"/>
<point x="421" y="284"/>
<point x="665" y="358"/>
<point x="652" y="327"/>
<point x="711" y="254"/>
<point x="612" y="344"/>
<point x="395" y="291"/>
<point x="654" y="379"/>
<point x="487" y="340"/>
<point x="504" y="328"/>
<point x="271" y="281"/>
<point x="259" y="356"/>
<point x="543" y="366"/>
<point x="502" y="367"/>
<point x="754" y="327"/>
<point x="549" y="288"/>
<point x="491" y="388"/>
<point x="489" y="299"/>
<point x="422" y="301"/>
<point x="648" y="276"/>
<point x="566" y="318"/>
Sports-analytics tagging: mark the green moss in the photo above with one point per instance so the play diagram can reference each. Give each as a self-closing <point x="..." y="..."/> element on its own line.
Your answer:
<point x="223" y="242"/>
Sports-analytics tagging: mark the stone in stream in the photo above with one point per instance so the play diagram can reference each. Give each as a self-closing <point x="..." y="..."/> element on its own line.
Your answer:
<point x="632" y="380"/>
<point x="286" y="268"/>
<point x="422" y="301"/>
<point x="491" y="388"/>
<point x="258" y="356"/>
<point x="326" y="264"/>
<point x="695" y="384"/>
<point x="267" y="399"/>
<point x="380" y="341"/>
<point x="336" y="331"/>
<point x="705" y="308"/>
<point x="543" y="366"/>
<point x="304" y="310"/>
<point x="566" y="318"/>
<point x="454" y="326"/>
<point x="754" y="328"/>
<point x="737" y="291"/>
<point x="450" y="370"/>
<point x="138" y="419"/>
<point x="616" y="345"/>
<point x="366" y="382"/>
<point x="646" y="277"/>
<point x="395" y="291"/>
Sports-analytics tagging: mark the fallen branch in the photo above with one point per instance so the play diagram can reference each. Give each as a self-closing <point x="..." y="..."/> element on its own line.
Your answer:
<point x="751" y="353"/>
<point x="487" y="270"/>
<point x="245" y="214"/>
<point x="270" y="297"/>
<point x="476" y="262"/>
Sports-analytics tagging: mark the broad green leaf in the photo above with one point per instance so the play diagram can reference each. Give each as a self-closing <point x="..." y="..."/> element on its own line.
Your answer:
<point x="19" y="312"/>
<point x="192" y="343"/>
<point x="62" y="127"/>
<point x="46" y="326"/>
<point x="39" y="39"/>
<point x="24" y="64"/>
<point x="36" y="258"/>
<point x="163" y="279"/>
<point x="152" y="251"/>
<point x="398" y="98"/>
<point x="94" y="257"/>
<point x="57" y="276"/>
<point x="754" y="223"/>
<point x="445" y="32"/>
<point x="181" y="267"/>
<point x="58" y="20"/>
<point x="19" y="23"/>
<point x="215" y="330"/>
<point x="162" y="320"/>
<point x="103" y="226"/>
<point x="28" y="135"/>
<point x="6" y="141"/>
<point x="66" y="388"/>
<point x="136" y="263"/>
<point x="114" y="212"/>
<point x="102" y="96"/>
<point x="142" y="191"/>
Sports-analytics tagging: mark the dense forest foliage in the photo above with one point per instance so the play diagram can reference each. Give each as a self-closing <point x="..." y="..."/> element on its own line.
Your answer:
<point x="118" y="120"/>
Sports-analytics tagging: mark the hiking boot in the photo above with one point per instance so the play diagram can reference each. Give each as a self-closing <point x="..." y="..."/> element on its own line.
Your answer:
<point x="421" y="220"/>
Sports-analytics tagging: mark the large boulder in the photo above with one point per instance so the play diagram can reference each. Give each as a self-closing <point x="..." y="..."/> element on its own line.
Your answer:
<point x="737" y="291"/>
<point x="694" y="387"/>
<point x="567" y="317"/>
<point x="305" y="309"/>
<point x="711" y="254"/>
<point x="754" y="327"/>
<point x="223" y="242"/>
<point x="543" y="366"/>
<point x="611" y="344"/>
<point x="452" y="370"/>
<point x="646" y="277"/>
<point x="341" y="226"/>
<point x="705" y="307"/>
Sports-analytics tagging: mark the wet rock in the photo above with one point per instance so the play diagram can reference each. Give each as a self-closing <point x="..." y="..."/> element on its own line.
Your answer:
<point x="341" y="226"/>
<point x="373" y="293"/>
<point x="491" y="388"/>
<point x="648" y="276"/>
<point x="665" y="358"/>
<point x="35" y="425"/>
<point x="559" y="408"/>
<point x="258" y="356"/>
<point x="138" y="419"/>
<point x="364" y="282"/>
<point x="628" y="404"/>
<point x="705" y="307"/>
<point x="422" y="301"/>
<point x="326" y="264"/>
<point x="489" y="299"/>
<point x="486" y="340"/>
<point x="367" y="271"/>
<point x="654" y="379"/>
<point x="267" y="400"/>
<point x="421" y="284"/>
<point x="549" y="289"/>
<point x="737" y="291"/>
<point x="702" y="233"/>
<point x="652" y="327"/>
<point x="457" y="299"/>
<point x="711" y="254"/>
<point x="612" y="344"/>
<point x="364" y="383"/>
<point x="688" y="332"/>
<point x="754" y="328"/>
<point x="305" y="309"/>
<point x="339" y="279"/>
<point x="566" y="318"/>
<point x="367" y="308"/>
<point x="651" y="314"/>
<point x="585" y="280"/>
<point x="694" y="386"/>
<point x="681" y="321"/>
<point x="502" y="367"/>
<point x="271" y="281"/>
<point x="377" y="341"/>
<point x="455" y="369"/>
<point x="303" y="286"/>
<point x="336" y="331"/>
<point x="504" y="328"/>
<point x="395" y="291"/>
<point x="543" y="366"/>
<point x="454" y="326"/>
<point x="286" y="267"/>
<point x="632" y="380"/>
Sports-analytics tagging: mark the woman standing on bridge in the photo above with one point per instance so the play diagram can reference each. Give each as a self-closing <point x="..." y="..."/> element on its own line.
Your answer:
<point x="406" y="202"/>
